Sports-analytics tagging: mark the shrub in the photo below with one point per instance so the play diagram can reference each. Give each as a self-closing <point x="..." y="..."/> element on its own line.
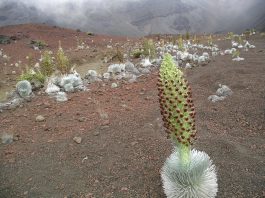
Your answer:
<point x="90" y="34"/>
<point x="210" y="40"/>
<point x="187" y="36"/>
<point x="149" y="48"/>
<point x="62" y="61"/>
<point x="38" y="43"/>
<point x="137" y="53"/>
<point x="247" y="34"/>
<point x="195" y="39"/>
<point x="46" y="64"/>
<point x="230" y="35"/>
<point x="236" y="54"/>
<point x="180" y="43"/>
<point x="119" y="55"/>
<point x="30" y="75"/>
<point x="174" y="40"/>
<point x="5" y="39"/>
<point x="240" y="41"/>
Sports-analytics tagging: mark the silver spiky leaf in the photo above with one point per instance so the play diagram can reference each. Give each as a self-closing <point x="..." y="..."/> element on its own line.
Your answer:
<point x="197" y="179"/>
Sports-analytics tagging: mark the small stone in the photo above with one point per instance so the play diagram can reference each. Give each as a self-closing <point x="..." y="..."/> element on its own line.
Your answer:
<point x="16" y="137"/>
<point x="147" y="98"/>
<point x="145" y="71"/>
<point x="104" y="115"/>
<point x="114" y="85"/>
<point x="40" y="118"/>
<point x="124" y="189"/>
<point x="132" y="80"/>
<point x="134" y="143"/>
<point x="61" y="97"/>
<point x="215" y="98"/>
<point x="224" y="91"/>
<point x="89" y="195"/>
<point x="7" y="138"/>
<point x="82" y="119"/>
<point x="104" y="127"/>
<point x="14" y="72"/>
<point x="78" y="140"/>
<point x="96" y="133"/>
<point x="12" y="160"/>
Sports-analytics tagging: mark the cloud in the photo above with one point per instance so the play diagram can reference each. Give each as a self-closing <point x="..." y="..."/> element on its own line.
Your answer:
<point x="135" y="16"/>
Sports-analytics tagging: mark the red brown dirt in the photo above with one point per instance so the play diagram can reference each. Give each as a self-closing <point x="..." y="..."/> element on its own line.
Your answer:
<point x="19" y="49"/>
<point x="121" y="154"/>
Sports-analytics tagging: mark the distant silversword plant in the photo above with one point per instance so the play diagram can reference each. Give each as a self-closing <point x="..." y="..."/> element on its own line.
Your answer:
<point x="187" y="172"/>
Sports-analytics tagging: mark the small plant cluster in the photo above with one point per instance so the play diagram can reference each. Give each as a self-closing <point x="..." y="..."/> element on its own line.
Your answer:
<point x="230" y="35"/>
<point x="117" y="55"/>
<point x="46" y="67"/>
<point x="30" y="75"/>
<point x="149" y="49"/>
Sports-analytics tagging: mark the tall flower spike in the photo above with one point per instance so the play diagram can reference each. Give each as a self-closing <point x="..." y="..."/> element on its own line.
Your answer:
<point x="175" y="89"/>
<point x="178" y="104"/>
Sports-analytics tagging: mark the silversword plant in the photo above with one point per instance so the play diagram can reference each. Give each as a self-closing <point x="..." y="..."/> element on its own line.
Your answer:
<point x="186" y="173"/>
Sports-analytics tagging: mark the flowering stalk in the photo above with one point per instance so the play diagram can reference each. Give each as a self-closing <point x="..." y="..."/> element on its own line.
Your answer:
<point x="176" y="106"/>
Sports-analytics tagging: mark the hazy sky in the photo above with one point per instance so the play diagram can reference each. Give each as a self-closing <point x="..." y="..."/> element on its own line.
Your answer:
<point x="87" y="13"/>
<point x="48" y="4"/>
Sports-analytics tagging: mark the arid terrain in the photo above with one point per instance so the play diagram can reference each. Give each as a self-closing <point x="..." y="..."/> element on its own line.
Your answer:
<point x="123" y="144"/>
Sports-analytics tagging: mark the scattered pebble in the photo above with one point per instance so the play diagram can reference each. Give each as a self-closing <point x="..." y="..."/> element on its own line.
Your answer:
<point x="124" y="189"/>
<point x="224" y="91"/>
<point x="134" y="143"/>
<point x="61" y="97"/>
<point x="221" y="93"/>
<point x="96" y="133"/>
<point x="215" y="98"/>
<point x="114" y="85"/>
<point x="82" y="119"/>
<point x="40" y="118"/>
<point x="78" y="140"/>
